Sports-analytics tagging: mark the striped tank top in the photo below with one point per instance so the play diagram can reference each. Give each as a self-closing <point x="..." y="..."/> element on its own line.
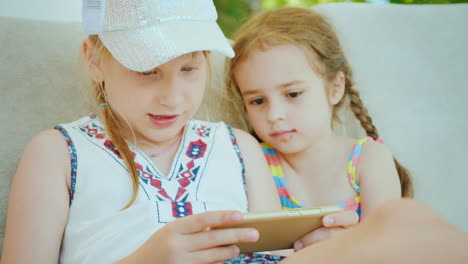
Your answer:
<point x="288" y="201"/>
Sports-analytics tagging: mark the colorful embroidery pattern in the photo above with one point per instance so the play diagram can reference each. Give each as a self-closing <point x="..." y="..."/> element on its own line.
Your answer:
<point x="196" y="149"/>
<point x="257" y="258"/>
<point x="202" y="131"/>
<point x="175" y="195"/>
<point x="93" y="130"/>
<point x="73" y="160"/>
<point x="181" y="209"/>
<point x="187" y="169"/>
<point x="239" y="155"/>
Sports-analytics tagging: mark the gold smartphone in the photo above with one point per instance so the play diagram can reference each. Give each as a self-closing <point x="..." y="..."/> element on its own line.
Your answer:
<point x="280" y="229"/>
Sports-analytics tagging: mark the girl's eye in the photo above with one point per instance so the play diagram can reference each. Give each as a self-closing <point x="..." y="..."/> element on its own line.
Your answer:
<point x="187" y="68"/>
<point x="294" y="94"/>
<point x="147" y="73"/>
<point x="257" y="101"/>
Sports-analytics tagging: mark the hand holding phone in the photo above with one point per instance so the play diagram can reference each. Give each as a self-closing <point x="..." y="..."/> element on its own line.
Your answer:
<point x="333" y="225"/>
<point x="280" y="229"/>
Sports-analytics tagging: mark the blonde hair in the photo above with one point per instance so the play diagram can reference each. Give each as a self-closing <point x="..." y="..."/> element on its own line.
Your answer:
<point x="311" y="32"/>
<point x="111" y="122"/>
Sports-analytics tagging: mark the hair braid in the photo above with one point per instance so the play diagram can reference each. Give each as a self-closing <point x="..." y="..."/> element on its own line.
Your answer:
<point x="362" y="115"/>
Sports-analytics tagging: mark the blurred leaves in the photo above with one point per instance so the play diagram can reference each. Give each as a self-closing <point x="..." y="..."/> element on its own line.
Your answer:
<point x="421" y="2"/>
<point x="233" y="13"/>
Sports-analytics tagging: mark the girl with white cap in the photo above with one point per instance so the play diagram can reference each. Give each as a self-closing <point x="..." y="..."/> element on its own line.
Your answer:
<point x="134" y="182"/>
<point x="116" y="185"/>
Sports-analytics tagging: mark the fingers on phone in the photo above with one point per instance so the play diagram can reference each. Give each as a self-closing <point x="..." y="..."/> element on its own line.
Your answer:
<point x="215" y="255"/>
<point x="311" y="238"/>
<point x="298" y="245"/>
<point x="344" y="219"/>
<point x="220" y="237"/>
<point x="202" y="222"/>
<point x="317" y="236"/>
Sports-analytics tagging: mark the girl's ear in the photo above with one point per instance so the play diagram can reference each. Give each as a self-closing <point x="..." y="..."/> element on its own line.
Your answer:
<point x="93" y="60"/>
<point x="337" y="89"/>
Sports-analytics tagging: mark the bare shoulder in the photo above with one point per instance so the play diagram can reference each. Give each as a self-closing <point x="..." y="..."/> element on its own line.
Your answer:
<point x="375" y="160"/>
<point x="250" y="149"/>
<point x="247" y="143"/>
<point x="260" y="185"/>
<point x="48" y="140"/>
<point x="244" y="137"/>
<point x="374" y="153"/>
<point x="378" y="176"/>
<point x="52" y="148"/>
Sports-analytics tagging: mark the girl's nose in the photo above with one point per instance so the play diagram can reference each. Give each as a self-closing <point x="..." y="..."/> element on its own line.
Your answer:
<point x="171" y="100"/>
<point x="171" y="94"/>
<point x="276" y="112"/>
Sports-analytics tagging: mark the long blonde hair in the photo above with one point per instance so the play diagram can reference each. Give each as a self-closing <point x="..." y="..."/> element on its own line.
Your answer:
<point x="310" y="31"/>
<point x="110" y="118"/>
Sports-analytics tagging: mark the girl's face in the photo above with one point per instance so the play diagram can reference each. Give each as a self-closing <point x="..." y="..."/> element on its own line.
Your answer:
<point x="157" y="103"/>
<point x="286" y="101"/>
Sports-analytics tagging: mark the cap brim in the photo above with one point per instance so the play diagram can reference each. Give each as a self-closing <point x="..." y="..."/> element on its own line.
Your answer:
<point x="147" y="48"/>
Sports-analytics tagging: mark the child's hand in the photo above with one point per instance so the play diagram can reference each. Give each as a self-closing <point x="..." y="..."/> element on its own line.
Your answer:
<point x="191" y="240"/>
<point x="333" y="224"/>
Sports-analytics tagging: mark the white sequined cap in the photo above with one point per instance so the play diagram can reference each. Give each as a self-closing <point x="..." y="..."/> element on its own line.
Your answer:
<point x="143" y="34"/>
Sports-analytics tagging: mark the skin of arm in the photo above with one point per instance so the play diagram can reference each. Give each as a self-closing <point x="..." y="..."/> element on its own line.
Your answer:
<point x="39" y="202"/>
<point x="398" y="231"/>
<point x="378" y="177"/>
<point x="379" y="182"/>
<point x="261" y="189"/>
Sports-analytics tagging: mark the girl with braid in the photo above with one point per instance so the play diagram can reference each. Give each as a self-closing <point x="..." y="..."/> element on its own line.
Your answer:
<point x="289" y="78"/>
<point x="102" y="189"/>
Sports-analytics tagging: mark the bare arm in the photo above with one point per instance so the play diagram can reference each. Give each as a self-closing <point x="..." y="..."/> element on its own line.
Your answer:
<point x="379" y="182"/>
<point x="378" y="177"/>
<point x="399" y="231"/>
<point x="38" y="203"/>
<point x="261" y="188"/>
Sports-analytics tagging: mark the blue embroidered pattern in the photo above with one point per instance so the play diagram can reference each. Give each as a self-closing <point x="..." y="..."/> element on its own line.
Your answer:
<point x="257" y="258"/>
<point x="73" y="160"/>
<point x="239" y="155"/>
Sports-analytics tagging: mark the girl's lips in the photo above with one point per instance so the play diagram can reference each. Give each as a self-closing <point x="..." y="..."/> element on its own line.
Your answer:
<point x="163" y="120"/>
<point x="282" y="134"/>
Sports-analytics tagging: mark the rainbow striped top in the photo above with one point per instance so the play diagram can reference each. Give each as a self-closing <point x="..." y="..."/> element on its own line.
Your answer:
<point x="288" y="201"/>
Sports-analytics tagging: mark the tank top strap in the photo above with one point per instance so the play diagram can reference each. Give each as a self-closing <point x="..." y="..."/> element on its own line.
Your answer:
<point x="354" y="159"/>
<point x="274" y="162"/>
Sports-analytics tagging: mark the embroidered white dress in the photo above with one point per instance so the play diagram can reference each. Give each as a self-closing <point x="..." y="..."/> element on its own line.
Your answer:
<point x="207" y="174"/>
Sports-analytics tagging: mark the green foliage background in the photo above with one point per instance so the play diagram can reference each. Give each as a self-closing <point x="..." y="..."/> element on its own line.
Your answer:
<point x="232" y="13"/>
